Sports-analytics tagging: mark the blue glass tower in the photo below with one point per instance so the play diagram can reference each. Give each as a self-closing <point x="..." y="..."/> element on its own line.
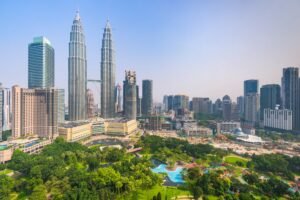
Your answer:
<point x="40" y="63"/>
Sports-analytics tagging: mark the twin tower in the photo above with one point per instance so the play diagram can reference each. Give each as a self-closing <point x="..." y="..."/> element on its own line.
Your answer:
<point x="77" y="64"/>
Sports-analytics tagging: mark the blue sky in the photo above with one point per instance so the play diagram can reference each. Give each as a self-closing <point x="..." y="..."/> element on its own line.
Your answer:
<point x="194" y="47"/>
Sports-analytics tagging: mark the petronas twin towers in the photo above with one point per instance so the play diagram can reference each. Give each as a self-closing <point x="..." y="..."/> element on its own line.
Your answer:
<point x="77" y="64"/>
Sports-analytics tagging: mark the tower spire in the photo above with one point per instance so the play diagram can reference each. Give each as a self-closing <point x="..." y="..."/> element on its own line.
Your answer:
<point x="77" y="16"/>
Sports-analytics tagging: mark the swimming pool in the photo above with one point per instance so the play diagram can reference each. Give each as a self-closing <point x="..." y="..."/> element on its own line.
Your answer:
<point x="175" y="176"/>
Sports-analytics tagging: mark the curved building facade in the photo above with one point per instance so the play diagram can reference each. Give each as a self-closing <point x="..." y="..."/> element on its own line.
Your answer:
<point x="77" y="72"/>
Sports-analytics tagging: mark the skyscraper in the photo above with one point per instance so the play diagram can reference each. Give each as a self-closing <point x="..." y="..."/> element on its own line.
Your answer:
<point x="5" y="108"/>
<point x="269" y="97"/>
<point x="129" y="96"/>
<point x="40" y="63"/>
<point x="252" y="108"/>
<point x="241" y="105"/>
<point x="250" y="87"/>
<point x="290" y="94"/>
<point x="251" y="99"/>
<point x="1" y="106"/>
<point x="138" y="102"/>
<point x="107" y="74"/>
<point x="77" y="72"/>
<point x="226" y="107"/>
<point x="147" y="97"/>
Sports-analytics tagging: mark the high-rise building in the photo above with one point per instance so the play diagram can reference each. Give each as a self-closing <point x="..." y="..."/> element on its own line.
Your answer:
<point x="269" y="97"/>
<point x="240" y="105"/>
<point x="138" y="102"/>
<point x="1" y="114"/>
<point x="291" y="94"/>
<point x="147" y="97"/>
<point x="129" y="95"/>
<point x="170" y="102"/>
<point x="40" y="63"/>
<point x="60" y="106"/>
<point x="34" y="112"/>
<point x="90" y="103"/>
<point x="5" y="108"/>
<point x="252" y="108"/>
<point x="77" y="72"/>
<point x="251" y="100"/>
<point x="217" y="108"/>
<point x="108" y="69"/>
<point x="226" y="107"/>
<point x="118" y="106"/>
<point x="165" y="103"/>
<point x="201" y="105"/>
<point x="250" y="87"/>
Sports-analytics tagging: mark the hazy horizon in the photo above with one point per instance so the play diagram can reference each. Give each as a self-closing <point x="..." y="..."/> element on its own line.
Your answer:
<point x="197" y="48"/>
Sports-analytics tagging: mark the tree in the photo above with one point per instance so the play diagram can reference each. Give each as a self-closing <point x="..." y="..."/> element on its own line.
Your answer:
<point x="158" y="197"/>
<point x="197" y="191"/>
<point x="6" y="186"/>
<point x="39" y="193"/>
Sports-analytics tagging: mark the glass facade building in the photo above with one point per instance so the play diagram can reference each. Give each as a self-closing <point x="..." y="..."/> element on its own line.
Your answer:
<point x="40" y="63"/>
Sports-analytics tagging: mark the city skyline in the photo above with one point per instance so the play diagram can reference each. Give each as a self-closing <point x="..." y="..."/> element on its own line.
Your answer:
<point x="194" y="49"/>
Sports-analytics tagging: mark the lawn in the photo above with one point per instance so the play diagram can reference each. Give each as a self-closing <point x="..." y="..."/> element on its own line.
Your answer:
<point x="5" y="171"/>
<point x="232" y="159"/>
<point x="148" y="194"/>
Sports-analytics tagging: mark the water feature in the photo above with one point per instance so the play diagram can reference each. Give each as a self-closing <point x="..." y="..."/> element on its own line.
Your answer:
<point x="175" y="176"/>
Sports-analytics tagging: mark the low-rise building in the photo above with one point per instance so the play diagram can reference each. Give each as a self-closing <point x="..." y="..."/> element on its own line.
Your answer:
<point x="192" y="129"/>
<point x="120" y="126"/>
<point x="75" y="131"/>
<point x="227" y="127"/>
<point x="30" y="146"/>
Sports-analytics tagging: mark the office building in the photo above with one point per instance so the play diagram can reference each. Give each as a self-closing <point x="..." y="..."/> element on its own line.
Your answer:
<point x="60" y="106"/>
<point x="170" y="102"/>
<point x="218" y="108"/>
<point x="252" y="108"/>
<point x="108" y="69"/>
<point x="34" y="112"/>
<point x="281" y="119"/>
<point x="290" y="94"/>
<point x="201" y="105"/>
<point x="269" y="98"/>
<point x="250" y="87"/>
<point x="147" y="97"/>
<point x="165" y="103"/>
<point x="5" y="109"/>
<point x="180" y="104"/>
<point x="77" y="72"/>
<point x="138" y="102"/>
<point x="40" y="63"/>
<point x="240" y="105"/>
<point x="129" y="95"/>
<point x="227" y="108"/>
<point x="90" y="104"/>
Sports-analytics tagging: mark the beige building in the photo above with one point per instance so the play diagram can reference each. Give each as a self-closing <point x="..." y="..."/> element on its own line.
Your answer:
<point x="120" y="127"/>
<point x="75" y="131"/>
<point x="34" y="112"/>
